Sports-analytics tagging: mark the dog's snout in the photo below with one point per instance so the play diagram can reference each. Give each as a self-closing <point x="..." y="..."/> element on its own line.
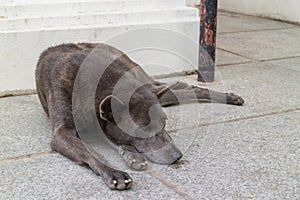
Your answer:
<point x="167" y="155"/>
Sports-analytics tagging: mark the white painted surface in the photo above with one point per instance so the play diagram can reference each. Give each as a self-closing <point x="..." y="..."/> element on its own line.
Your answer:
<point x="288" y="10"/>
<point x="27" y="27"/>
<point x="192" y="2"/>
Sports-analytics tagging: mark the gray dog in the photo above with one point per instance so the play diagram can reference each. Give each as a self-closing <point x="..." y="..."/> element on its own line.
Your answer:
<point x="55" y="76"/>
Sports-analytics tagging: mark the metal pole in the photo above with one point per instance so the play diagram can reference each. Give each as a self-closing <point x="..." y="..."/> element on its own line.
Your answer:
<point x="208" y="32"/>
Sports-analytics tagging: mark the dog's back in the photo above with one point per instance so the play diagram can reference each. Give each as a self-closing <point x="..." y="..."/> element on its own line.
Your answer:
<point x="58" y="66"/>
<point x="60" y="62"/>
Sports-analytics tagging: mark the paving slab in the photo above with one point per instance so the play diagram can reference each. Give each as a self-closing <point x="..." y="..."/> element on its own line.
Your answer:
<point x="252" y="159"/>
<point x="227" y="58"/>
<point x="24" y="127"/>
<point x="289" y="63"/>
<point x="55" y="177"/>
<point x="232" y="22"/>
<point x="262" y="45"/>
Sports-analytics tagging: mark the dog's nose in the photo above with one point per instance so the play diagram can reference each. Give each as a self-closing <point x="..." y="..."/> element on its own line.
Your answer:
<point x="179" y="157"/>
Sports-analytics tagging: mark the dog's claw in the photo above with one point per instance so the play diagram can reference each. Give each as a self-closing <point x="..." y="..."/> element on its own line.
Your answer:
<point x="132" y="158"/>
<point x="117" y="180"/>
<point x="127" y="181"/>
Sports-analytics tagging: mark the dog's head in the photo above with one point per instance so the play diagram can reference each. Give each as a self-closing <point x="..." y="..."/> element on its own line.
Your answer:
<point x="141" y="124"/>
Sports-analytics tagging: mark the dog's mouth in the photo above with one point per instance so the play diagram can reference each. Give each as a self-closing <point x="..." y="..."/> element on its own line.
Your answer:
<point x="158" y="149"/>
<point x="167" y="155"/>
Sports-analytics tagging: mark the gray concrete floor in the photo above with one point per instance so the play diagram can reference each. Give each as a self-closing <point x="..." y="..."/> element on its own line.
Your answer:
<point x="249" y="152"/>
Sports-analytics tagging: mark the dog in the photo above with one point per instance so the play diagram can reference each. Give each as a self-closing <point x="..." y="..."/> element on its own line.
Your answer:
<point x="56" y="74"/>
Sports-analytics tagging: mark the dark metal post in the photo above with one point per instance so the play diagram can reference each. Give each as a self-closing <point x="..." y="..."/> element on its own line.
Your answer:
<point x="208" y="32"/>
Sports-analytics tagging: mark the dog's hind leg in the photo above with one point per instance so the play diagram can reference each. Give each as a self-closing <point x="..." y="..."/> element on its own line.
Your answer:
<point x="66" y="142"/>
<point x="184" y="93"/>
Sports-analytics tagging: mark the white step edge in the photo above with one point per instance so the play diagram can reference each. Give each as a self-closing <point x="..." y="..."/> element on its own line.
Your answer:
<point x="71" y="21"/>
<point x="112" y="18"/>
<point x="57" y="8"/>
<point x="20" y="51"/>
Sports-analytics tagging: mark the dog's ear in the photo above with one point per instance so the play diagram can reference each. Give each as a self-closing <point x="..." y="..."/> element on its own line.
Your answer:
<point x="105" y="107"/>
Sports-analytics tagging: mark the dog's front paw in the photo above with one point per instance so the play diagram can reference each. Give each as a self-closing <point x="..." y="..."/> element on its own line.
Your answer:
<point x="132" y="158"/>
<point x="234" y="99"/>
<point x="117" y="180"/>
<point x="136" y="161"/>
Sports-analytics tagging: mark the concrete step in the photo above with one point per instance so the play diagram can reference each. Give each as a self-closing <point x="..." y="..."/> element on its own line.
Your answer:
<point x="114" y="18"/>
<point x="28" y="27"/>
<point x="26" y="8"/>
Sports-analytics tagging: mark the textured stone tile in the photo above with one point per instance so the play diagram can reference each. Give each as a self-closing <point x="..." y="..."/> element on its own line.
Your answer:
<point x="262" y="45"/>
<point x="290" y="63"/>
<point x="24" y="127"/>
<point x="257" y="159"/>
<point x="55" y="177"/>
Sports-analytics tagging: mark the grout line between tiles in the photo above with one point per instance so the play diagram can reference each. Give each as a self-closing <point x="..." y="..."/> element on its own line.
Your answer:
<point x="237" y="54"/>
<point x="224" y="11"/>
<point x="260" y="30"/>
<point x="27" y="157"/>
<point x="231" y="64"/>
<point x="283" y="58"/>
<point x="241" y="119"/>
<point x="170" y="185"/>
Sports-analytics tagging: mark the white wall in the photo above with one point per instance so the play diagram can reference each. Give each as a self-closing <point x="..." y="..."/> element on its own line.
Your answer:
<point x="287" y="10"/>
<point x="192" y="2"/>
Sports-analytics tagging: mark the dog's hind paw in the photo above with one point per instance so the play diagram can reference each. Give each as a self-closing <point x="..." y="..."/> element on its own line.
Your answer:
<point x="132" y="158"/>
<point x="234" y="99"/>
